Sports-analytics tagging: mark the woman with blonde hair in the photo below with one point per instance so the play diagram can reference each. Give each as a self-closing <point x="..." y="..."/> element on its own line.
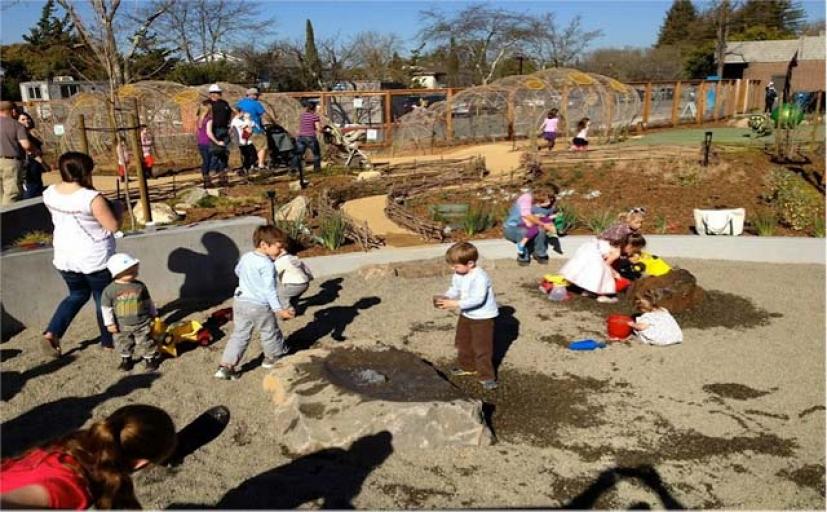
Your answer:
<point x="90" y="467"/>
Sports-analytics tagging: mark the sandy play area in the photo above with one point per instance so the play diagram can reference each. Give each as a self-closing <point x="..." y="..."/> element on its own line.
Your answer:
<point x="732" y="418"/>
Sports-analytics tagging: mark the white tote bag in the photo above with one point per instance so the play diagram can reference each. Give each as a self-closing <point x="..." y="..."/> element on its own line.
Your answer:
<point x="720" y="222"/>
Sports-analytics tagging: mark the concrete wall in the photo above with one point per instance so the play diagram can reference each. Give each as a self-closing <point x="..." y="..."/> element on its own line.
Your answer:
<point x="24" y="217"/>
<point x="197" y="262"/>
<point x="188" y="262"/>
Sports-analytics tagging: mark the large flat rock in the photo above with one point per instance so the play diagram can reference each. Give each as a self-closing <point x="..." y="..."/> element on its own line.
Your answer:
<point x="330" y="397"/>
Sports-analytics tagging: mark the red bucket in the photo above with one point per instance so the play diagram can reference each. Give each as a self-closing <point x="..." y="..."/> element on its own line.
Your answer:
<point x="621" y="283"/>
<point x="618" y="327"/>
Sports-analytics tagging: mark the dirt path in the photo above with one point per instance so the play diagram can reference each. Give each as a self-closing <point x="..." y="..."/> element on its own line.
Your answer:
<point x="500" y="158"/>
<point x="372" y="210"/>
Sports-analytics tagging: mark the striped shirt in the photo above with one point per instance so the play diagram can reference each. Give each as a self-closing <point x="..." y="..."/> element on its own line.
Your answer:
<point x="307" y="124"/>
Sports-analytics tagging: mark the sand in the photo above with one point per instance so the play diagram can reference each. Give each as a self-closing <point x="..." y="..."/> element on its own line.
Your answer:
<point x="733" y="417"/>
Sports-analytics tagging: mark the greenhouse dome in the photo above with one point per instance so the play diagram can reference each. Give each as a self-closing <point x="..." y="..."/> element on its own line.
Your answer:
<point x="515" y="106"/>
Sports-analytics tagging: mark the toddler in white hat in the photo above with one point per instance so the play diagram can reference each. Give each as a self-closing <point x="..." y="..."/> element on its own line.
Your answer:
<point x="128" y="311"/>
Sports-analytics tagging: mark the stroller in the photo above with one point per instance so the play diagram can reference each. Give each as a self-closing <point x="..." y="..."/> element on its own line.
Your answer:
<point x="280" y="145"/>
<point x="345" y="147"/>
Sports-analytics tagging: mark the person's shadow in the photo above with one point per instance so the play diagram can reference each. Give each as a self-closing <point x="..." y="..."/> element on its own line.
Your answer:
<point x="609" y="478"/>
<point x="54" y="419"/>
<point x="506" y="331"/>
<point x="333" y="475"/>
<point x="9" y="325"/>
<point x="328" y="292"/>
<point x="333" y="320"/>
<point x="13" y="382"/>
<point x="209" y="279"/>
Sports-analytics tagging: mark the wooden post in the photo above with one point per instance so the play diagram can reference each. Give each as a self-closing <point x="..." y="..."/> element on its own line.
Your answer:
<point x="564" y="111"/>
<point x="676" y="103"/>
<point x="135" y="142"/>
<point x="716" y="106"/>
<point x="388" y="121"/>
<point x="700" y="98"/>
<point x="610" y="110"/>
<point x="84" y="141"/>
<point x="449" y="117"/>
<point x="510" y="118"/>
<point x="736" y="94"/>
<point x="647" y="103"/>
<point x="116" y="139"/>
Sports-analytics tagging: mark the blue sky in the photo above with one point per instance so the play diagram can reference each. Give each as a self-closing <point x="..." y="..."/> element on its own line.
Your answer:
<point x="623" y="22"/>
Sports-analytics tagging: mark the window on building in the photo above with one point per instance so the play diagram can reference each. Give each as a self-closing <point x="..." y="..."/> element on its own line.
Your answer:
<point x="34" y="93"/>
<point x="67" y="91"/>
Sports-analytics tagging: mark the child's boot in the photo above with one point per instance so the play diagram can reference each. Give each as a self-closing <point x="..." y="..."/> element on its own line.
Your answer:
<point x="226" y="373"/>
<point x="488" y="385"/>
<point x="521" y="250"/>
<point x="126" y="363"/>
<point x="152" y="362"/>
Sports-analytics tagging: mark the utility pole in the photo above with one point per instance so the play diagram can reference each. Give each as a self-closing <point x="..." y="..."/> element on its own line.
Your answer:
<point x="723" y="33"/>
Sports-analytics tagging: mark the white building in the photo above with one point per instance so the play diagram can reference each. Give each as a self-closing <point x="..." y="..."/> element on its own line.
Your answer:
<point x="62" y="87"/>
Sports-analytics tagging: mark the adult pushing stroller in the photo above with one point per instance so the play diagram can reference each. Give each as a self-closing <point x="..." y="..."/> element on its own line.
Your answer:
<point x="280" y="145"/>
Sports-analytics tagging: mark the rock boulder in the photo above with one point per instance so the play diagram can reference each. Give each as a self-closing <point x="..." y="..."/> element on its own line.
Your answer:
<point x="293" y="211"/>
<point x="162" y="213"/>
<point x="330" y="397"/>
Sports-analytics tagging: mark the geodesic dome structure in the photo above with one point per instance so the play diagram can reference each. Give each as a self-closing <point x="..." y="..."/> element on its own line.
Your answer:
<point x="515" y="106"/>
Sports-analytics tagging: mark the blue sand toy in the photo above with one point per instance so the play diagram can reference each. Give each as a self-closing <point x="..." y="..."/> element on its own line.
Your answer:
<point x="586" y="345"/>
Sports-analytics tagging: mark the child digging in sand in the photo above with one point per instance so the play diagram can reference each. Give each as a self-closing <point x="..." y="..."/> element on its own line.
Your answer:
<point x="627" y="223"/>
<point x="127" y="311"/>
<point x="257" y="304"/>
<point x="471" y="292"/>
<point x="655" y="326"/>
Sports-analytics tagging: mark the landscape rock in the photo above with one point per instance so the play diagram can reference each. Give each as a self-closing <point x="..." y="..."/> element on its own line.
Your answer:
<point x="181" y="208"/>
<point x="193" y="195"/>
<point x="215" y="192"/>
<point x="293" y="211"/>
<point x="162" y="213"/>
<point x="434" y="267"/>
<point x="330" y="397"/>
<point x="368" y="175"/>
<point x="680" y="289"/>
<point x="295" y="186"/>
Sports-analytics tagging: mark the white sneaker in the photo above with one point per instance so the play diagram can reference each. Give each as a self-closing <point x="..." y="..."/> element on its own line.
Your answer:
<point x="604" y="299"/>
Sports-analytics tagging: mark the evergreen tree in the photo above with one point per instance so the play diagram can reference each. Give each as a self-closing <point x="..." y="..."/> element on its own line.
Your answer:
<point x="453" y="64"/>
<point x="678" y="24"/>
<point x="768" y="19"/>
<point x="312" y="63"/>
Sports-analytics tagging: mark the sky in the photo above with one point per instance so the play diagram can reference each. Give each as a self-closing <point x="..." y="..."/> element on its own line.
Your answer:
<point x="623" y="22"/>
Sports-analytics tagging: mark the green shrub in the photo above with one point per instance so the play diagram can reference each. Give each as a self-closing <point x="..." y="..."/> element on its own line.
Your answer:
<point x="294" y="229"/>
<point x="798" y="203"/>
<point x="566" y="219"/>
<point x="477" y="220"/>
<point x="765" y="222"/>
<point x="661" y="224"/>
<point x="332" y="232"/>
<point x="598" y="222"/>
<point x="818" y="226"/>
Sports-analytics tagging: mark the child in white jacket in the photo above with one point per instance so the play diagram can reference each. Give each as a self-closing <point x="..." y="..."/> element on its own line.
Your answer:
<point x="294" y="278"/>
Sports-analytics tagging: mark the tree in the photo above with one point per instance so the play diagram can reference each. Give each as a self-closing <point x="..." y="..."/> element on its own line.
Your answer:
<point x="372" y="54"/>
<point x="558" y="46"/>
<point x="678" y="24"/>
<point x="483" y="36"/>
<point x="453" y="64"/>
<point x="312" y="63"/>
<point x="198" y="29"/>
<point x="781" y="17"/>
<point x="813" y="28"/>
<point x="637" y="64"/>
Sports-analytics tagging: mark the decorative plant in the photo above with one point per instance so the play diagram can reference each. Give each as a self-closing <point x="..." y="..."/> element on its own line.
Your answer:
<point x="477" y="220"/>
<point x="34" y="237"/>
<point x="597" y="222"/>
<point x="765" y="222"/>
<point x="818" y="226"/>
<point x="797" y="202"/>
<point x="331" y="232"/>
<point x="661" y="224"/>
<point x="566" y="218"/>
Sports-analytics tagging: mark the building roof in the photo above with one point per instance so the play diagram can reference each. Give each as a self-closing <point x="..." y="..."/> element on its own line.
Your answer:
<point x="742" y="52"/>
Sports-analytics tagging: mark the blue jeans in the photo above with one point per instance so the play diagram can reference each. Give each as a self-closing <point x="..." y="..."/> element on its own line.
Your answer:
<point x="206" y="157"/>
<point x="81" y="286"/>
<point x="540" y="246"/>
<point x="302" y="143"/>
<point x="220" y="155"/>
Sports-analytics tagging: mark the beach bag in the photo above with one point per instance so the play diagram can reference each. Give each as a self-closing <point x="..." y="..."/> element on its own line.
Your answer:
<point x="719" y="222"/>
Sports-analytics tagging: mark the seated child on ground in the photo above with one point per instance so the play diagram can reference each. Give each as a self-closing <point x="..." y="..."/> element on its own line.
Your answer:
<point x="655" y="326"/>
<point x="472" y="293"/>
<point x="127" y="311"/>
<point x="627" y="264"/>
<point x="257" y="304"/>
<point x="629" y="222"/>
<point x="591" y="268"/>
<point x="293" y="276"/>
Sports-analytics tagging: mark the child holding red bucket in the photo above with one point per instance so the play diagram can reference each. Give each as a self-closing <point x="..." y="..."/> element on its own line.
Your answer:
<point x="655" y="326"/>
